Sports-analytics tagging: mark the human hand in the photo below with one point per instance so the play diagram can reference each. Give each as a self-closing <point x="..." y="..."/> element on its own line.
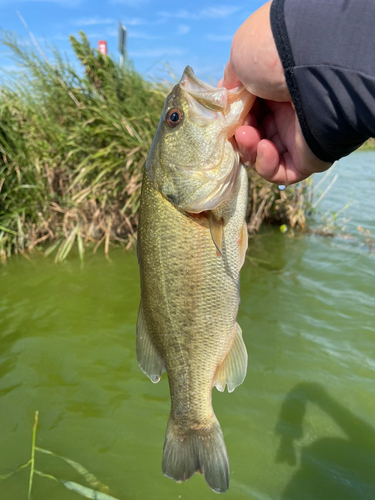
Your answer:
<point x="271" y="139"/>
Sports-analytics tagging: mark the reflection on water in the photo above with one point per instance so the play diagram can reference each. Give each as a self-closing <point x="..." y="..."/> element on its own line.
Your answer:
<point x="67" y="349"/>
<point x="330" y="467"/>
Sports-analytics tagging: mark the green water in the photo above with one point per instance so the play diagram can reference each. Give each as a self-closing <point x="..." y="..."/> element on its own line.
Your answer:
<point x="300" y="427"/>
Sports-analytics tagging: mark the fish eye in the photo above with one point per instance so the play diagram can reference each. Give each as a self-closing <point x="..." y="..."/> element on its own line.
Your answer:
<point x="174" y="117"/>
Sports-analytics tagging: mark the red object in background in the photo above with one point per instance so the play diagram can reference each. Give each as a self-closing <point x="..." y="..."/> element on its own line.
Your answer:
<point x="102" y="47"/>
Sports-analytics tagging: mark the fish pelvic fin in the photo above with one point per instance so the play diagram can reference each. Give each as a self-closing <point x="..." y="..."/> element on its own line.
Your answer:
<point x="149" y="360"/>
<point x="232" y="371"/>
<point x="201" y="450"/>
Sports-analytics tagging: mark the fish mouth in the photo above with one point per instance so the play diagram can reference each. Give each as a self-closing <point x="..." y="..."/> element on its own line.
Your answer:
<point x="211" y="98"/>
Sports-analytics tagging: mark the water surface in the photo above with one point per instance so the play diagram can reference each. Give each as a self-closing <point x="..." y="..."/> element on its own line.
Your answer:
<point x="301" y="427"/>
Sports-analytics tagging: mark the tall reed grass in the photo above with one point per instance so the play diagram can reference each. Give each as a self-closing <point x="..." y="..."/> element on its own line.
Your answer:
<point x="72" y="148"/>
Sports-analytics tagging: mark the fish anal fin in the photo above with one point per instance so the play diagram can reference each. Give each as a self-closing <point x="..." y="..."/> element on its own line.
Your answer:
<point x="217" y="232"/>
<point x="232" y="371"/>
<point x="243" y="243"/>
<point x="149" y="360"/>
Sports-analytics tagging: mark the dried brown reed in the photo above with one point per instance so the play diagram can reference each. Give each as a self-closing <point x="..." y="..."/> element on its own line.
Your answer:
<point x="72" y="151"/>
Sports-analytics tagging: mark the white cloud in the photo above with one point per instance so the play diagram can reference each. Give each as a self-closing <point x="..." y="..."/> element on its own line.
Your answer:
<point x="130" y="3"/>
<point x="10" y="68"/>
<point x="209" y="72"/>
<point x="219" y="12"/>
<point x="62" y="3"/>
<point x="183" y="29"/>
<point x="145" y="36"/>
<point x="210" y="13"/>
<point x="111" y="32"/>
<point x="60" y="37"/>
<point x="162" y="52"/>
<point x="134" y="22"/>
<point x="207" y="69"/>
<point x="91" y="21"/>
<point x="134" y="34"/>
<point x="99" y="36"/>
<point x="219" y="38"/>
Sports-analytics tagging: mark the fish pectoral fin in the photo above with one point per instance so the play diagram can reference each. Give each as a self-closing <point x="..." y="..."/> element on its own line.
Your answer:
<point x="243" y="243"/>
<point x="232" y="371"/>
<point x="217" y="232"/>
<point x="149" y="360"/>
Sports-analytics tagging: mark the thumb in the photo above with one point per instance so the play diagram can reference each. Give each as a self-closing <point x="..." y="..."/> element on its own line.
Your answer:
<point x="230" y="80"/>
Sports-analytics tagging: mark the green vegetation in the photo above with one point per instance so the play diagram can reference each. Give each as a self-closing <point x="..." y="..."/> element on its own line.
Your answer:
<point x="72" y="149"/>
<point x="98" y="490"/>
<point x="369" y="145"/>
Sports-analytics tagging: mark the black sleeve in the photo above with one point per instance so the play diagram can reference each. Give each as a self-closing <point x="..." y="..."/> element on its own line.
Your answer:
<point x="327" y="48"/>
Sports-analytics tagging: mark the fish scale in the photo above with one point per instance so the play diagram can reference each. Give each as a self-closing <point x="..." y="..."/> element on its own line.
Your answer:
<point x="181" y="304"/>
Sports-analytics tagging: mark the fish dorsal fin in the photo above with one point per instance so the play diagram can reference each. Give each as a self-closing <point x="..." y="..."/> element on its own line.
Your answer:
<point x="232" y="371"/>
<point x="243" y="243"/>
<point x="149" y="360"/>
<point x="217" y="232"/>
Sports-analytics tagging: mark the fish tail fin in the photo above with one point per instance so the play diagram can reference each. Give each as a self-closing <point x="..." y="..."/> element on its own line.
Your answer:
<point x="201" y="450"/>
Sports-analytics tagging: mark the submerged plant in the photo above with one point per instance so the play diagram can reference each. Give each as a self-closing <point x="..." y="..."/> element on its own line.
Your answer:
<point x="369" y="239"/>
<point x="268" y="204"/>
<point x="333" y="224"/>
<point x="98" y="490"/>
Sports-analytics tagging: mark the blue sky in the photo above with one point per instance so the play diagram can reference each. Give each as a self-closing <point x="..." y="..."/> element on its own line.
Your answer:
<point x="195" y="32"/>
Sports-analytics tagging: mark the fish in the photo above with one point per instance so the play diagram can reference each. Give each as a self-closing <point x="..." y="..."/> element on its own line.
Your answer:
<point x="192" y="241"/>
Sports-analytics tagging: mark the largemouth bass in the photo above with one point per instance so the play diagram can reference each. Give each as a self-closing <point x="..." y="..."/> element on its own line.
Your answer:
<point x="192" y="241"/>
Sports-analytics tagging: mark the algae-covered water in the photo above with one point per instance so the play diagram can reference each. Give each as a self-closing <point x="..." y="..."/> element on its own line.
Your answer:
<point x="302" y="425"/>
